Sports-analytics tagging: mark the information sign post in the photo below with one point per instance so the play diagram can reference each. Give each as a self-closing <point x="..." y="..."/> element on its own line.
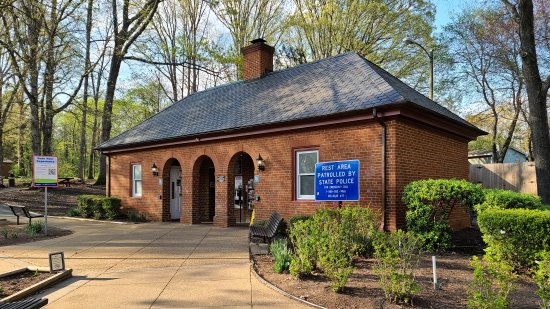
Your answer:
<point x="337" y="181"/>
<point x="44" y="175"/>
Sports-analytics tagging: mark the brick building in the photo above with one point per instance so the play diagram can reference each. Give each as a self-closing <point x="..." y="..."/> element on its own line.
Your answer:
<point x="198" y="160"/>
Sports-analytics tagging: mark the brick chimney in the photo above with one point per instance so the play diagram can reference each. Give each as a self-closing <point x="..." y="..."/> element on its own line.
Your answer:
<point x="257" y="59"/>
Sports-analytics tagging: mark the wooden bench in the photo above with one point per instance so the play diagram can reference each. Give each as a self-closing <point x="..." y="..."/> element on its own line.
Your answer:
<point x="267" y="232"/>
<point x="29" y="303"/>
<point x="22" y="211"/>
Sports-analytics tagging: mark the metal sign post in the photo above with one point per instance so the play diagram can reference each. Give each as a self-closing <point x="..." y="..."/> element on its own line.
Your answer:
<point x="44" y="175"/>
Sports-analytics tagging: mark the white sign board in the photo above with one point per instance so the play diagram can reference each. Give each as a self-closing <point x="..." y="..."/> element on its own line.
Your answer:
<point x="44" y="171"/>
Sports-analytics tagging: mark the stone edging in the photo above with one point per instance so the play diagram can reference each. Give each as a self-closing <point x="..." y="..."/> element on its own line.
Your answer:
<point x="91" y="220"/>
<point x="38" y="286"/>
<point x="276" y="289"/>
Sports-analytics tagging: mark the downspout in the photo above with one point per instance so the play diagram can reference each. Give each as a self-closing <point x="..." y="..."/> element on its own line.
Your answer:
<point x="109" y="171"/>
<point x="383" y="157"/>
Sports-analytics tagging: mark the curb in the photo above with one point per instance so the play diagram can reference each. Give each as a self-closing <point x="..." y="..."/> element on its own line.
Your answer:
<point x="276" y="289"/>
<point x="38" y="286"/>
<point x="90" y="220"/>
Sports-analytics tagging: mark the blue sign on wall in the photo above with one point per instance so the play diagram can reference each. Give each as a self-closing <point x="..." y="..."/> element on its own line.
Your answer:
<point x="337" y="181"/>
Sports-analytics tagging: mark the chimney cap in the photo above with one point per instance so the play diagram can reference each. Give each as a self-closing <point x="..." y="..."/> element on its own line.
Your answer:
<point x="258" y="40"/>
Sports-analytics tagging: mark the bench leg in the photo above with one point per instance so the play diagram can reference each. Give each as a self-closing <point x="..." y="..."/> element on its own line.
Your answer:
<point x="17" y="220"/>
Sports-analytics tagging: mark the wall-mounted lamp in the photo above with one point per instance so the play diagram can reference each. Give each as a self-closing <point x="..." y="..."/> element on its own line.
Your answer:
<point x="260" y="161"/>
<point x="155" y="170"/>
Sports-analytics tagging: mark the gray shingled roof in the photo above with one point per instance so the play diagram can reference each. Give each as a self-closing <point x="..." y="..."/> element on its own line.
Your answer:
<point x="339" y="84"/>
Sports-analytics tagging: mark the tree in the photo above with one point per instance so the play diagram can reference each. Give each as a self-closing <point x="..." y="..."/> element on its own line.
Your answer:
<point x="125" y="34"/>
<point x="537" y="92"/>
<point x="9" y="89"/>
<point x="486" y="55"/>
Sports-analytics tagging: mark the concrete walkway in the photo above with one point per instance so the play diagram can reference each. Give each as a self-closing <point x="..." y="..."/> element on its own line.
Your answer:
<point x="152" y="265"/>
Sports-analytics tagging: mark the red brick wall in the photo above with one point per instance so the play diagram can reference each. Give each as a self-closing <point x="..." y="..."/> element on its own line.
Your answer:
<point x="421" y="152"/>
<point x="257" y="60"/>
<point x="414" y="152"/>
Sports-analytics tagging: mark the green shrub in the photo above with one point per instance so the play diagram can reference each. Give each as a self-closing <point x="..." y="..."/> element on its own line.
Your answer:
<point x="98" y="207"/>
<point x="298" y="219"/>
<point x="329" y="240"/>
<point x="492" y="283"/>
<point x="542" y="277"/>
<point x="429" y="203"/>
<point x="74" y="212"/>
<point x="5" y="233"/>
<point x="279" y="250"/>
<point x="397" y="258"/>
<point x="34" y="228"/>
<point x="134" y="216"/>
<point x="515" y="235"/>
<point x="505" y="199"/>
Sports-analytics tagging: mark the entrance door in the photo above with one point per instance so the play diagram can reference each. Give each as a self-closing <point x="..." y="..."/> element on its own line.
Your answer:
<point x="211" y="194"/>
<point x="175" y="192"/>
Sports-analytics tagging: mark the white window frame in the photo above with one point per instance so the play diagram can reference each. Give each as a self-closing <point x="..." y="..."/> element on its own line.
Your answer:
<point x="298" y="174"/>
<point x="135" y="180"/>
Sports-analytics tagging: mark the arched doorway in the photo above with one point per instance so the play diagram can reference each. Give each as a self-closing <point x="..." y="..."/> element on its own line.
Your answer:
<point x="240" y="183"/>
<point x="172" y="187"/>
<point x="204" y="190"/>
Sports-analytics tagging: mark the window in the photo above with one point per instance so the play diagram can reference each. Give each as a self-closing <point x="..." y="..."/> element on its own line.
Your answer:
<point x="305" y="174"/>
<point x="136" y="180"/>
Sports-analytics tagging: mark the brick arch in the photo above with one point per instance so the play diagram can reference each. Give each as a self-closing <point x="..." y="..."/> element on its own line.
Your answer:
<point x="247" y="172"/>
<point x="205" y="152"/>
<point x="165" y="174"/>
<point x="201" y="199"/>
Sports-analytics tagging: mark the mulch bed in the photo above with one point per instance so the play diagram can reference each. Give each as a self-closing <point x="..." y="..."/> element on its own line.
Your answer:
<point x="60" y="199"/>
<point x="13" y="234"/>
<point x="363" y="290"/>
<point x="15" y="283"/>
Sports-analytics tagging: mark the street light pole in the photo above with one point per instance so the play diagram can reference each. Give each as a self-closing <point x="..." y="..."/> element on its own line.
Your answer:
<point x="430" y="55"/>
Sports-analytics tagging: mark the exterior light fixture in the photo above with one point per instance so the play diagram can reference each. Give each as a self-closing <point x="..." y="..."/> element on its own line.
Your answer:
<point x="155" y="170"/>
<point x="260" y="161"/>
<point x="430" y="54"/>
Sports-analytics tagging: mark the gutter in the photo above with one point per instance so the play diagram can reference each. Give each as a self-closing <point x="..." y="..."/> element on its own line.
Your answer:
<point x="383" y="157"/>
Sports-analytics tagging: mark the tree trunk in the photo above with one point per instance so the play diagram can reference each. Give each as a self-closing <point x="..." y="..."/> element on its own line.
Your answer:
<point x="537" y="99"/>
<point x="21" y="125"/>
<point x="116" y="61"/>
<point x="82" y="157"/>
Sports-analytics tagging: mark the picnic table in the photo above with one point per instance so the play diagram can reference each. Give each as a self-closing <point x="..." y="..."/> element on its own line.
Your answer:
<point x="66" y="181"/>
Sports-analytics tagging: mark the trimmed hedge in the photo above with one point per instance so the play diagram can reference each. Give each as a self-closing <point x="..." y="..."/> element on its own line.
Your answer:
<point x="505" y="199"/>
<point x="98" y="207"/>
<point x="429" y="203"/>
<point x="515" y="235"/>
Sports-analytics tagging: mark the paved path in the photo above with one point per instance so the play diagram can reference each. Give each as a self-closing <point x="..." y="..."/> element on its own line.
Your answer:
<point x="152" y="265"/>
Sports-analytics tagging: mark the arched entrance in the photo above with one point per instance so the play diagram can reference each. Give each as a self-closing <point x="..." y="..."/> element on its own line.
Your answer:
<point x="240" y="183"/>
<point x="172" y="190"/>
<point x="204" y="190"/>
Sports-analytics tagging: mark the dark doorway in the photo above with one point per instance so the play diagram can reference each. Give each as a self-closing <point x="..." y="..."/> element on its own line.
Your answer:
<point x="211" y="194"/>
<point x="241" y="179"/>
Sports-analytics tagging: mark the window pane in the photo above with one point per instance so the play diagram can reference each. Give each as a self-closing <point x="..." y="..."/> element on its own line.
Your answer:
<point x="137" y="172"/>
<point x="307" y="185"/>
<point x="137" y="188"/>
<point x="306" y="162"/>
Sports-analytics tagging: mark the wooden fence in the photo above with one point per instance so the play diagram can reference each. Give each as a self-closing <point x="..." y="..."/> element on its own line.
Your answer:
<point x="519" y="177"/>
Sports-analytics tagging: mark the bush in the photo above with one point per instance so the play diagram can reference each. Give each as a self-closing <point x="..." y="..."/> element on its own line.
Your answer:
<point x="492" y="283"/>
<point x="542" y="277"/>
<point x="134" y="216"/>
<point x="397" y="257"/>
<point x="279" y="250"/>
<point x="34" y="228"/>
<point x="74" y="212"/>
<point x="505" y="199"/>
<point x="429" y="203"/>
<point x="98" y="206"/>
<point x="329" y="240"/>
<point x="515" y="235"/>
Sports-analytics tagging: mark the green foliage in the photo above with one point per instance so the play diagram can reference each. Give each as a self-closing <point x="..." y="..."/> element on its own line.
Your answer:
<point x="295" y="219"/>
<point x="505" y="199"/>
<point x="74" y="212"/>
<point x="279" y="250"/>
<point x="134" y="216"/>
<point x="98" y="206"/>
<point x="397" y="258"/>
<point x="542" y="277"/>
<point x="492" y="283"/>
<point x="329" y="240"/>
<point x="5" y="233"/>
<point x="515" y="235"/>
<point x="34" y="228"/>
<point x="429" y="203"/>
